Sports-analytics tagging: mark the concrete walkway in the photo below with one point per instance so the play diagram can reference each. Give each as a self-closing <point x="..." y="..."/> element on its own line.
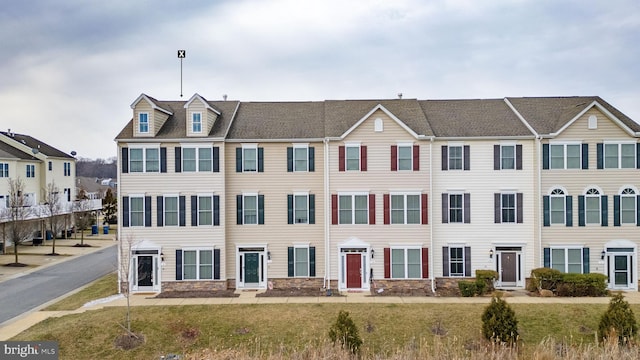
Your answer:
<point x="36" y="258"/>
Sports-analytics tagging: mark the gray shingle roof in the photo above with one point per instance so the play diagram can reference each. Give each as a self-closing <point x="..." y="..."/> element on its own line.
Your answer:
<point x="278" y="120"/>
<point x="472" y="118"/>
<point x="9" y="152"/>
<point x="34" y="143"/>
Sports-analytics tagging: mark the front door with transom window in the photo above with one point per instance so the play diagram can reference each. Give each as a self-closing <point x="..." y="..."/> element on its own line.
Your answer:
<point x="251" y="267"/>
<point x="354" y="271"/>
<point x="620" y="264"/>
<point x="251" y="277"/>
<point x="508" y="267"/>
<point x="145" y="271"/>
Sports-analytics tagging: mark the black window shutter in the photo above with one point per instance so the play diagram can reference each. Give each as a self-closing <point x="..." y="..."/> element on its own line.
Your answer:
<point x="178" y="264"/>
<point x="445" y="261"/>
<point x="585" y="156"/>
<point x="290" y="272"/>
<point x="518" y="157"/>
<point x="178" y="159"/>
<point x="467" y="208"/>
<point x="312" y="208"/>
<point x="163" y="159"/>
<point x="445" y="208"/>
<point x="182" y="218"/>
<point x="545" y="156"/>
<point x="289" y="209"/>
<point x="261" y="209"/>
<point x="616" y="210"/>
<point x="585" y="260"/>
<point x="125" y="160"/>
<point x="125" y="211"/>
<point x="497" y="208"/>
<point x="216" y="159"/>
<point x="600" y="155"/>
<point x="147" y="211"/>
<point x="547" y="257"/>
<point x="312" y="158"/>
<point x="467" y="157"/>
<point x="496" y="157"/>
<point x="260" y="159"/>
<point x="605" y="210"/>
<point x="238" y="159"/>
<point x="569" y="210"/>
<point x="239" y="209"/>
<point x="467" y="261"/>
<point x="312" y="261"/>
<point x="216" y="264"/>
<point x="160" y="211"/>
<point x="546" y="211"/>
<point x="194" y="210"/>
<point x="289" y="159"/>
<point x="445" y="157"/>
<point x="519" y="208"/>
<point x="216" y="210"/>
<point x="581" y="216"/>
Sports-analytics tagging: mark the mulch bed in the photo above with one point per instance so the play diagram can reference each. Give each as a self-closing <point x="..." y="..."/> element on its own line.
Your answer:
<point x="196" y="294"/>
<point x="401" y="292"/>
<point x="295" y="292"/>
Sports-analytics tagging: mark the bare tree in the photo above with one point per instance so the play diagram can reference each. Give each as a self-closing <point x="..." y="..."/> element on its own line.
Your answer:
<point x="83" y="215"/>
<point x="53" y="208"/>
<point x="18" y="213"/>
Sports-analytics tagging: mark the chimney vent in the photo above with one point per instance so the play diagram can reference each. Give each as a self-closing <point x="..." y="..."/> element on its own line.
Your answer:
<point x="224" y="97"/>
<point x="399" y="95"/>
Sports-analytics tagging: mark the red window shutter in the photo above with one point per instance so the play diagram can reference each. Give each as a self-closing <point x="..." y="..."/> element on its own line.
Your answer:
<point x="372" y="209"/>
<point x="416" y="157"/>
<point x="394" y="157"/>
<point x="425" y="209"/>
<point x="334" y="209"/>
<point x="387" y="215"/>
<point x="387" y="263"/>
<point x="340" y="158"/>
<point x="425" y="263"/>
<point x="363" y="158"/>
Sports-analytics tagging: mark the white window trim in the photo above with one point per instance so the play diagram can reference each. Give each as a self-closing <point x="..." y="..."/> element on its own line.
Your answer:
<point x="406" y="262"/>
<point x="587" y="196"/>
<point x="197" y="250"/>
<point x="164" y="209"/>
<point x="464" y="260"/>
<point x="405" y="194"/>
<point x="564" y="202"/>
<point x="250" y="146"/>
<point x="515" y="207"/>
<point x="197" y="153"/>
<point x="208" y="195"/>
<point x="4" y="165"/>
<point x="619" y="144"/>
<point x="564" y="153"/>
<point x="300" y="193"/>
<point x="566" y="255"/>
<point x="148" y="122"/>
<point x="346" y="159"/>
<point x="508" y="144"/>
<point x="193" y="113"/>
<point x="449" y="194"/>
<point x="244" y="196"/>
<point x="144" y="149"/>
<point x="410" y="145"/>
<point x="136" y="196"/>
<point x="301" y="146"/>
<point x="301" y="246"/>
<point x="353" y="207"/>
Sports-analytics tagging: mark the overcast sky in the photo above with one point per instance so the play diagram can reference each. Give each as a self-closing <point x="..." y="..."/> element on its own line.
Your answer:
<point x="70" y="69"/>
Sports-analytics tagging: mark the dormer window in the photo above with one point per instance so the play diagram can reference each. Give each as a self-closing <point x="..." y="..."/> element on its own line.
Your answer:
<point x="196" y="122"/>
<point x="143" y="122"/>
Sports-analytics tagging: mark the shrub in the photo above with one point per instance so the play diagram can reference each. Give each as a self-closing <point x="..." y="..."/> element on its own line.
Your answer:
<point x="619" y="320"/>
<point x="582" y="285"/>
<point x="487" y="278"/>
<point x="467" y="288"/>
<point x="499" y="322"/>
<point x="544" y="278"/>
<point x="345" y="331"/>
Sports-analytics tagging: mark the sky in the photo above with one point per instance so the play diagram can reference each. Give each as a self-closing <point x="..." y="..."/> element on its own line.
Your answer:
<point x="70" y="69"/>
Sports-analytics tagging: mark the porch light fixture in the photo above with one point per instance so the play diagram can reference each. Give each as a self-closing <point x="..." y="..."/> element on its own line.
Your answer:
<point x="268" y="255"/>
<point x="372" y="253"/>
<point x="162" y="259"/>
<point x="491" y="254"/>
<point x="602" y="254"/>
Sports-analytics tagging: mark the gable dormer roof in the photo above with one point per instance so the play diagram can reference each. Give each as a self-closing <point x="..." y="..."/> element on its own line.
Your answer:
<point x="203" y="101"/>
<point x="155" y="104"/>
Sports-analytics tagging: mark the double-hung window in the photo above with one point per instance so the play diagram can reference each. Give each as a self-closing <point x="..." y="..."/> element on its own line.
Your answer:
<point x="67" y="169"/>
<point x="196" y="122"/>
<point x="456" y="157"/>
<point x="144" y="160"/>
<point x="456" y="208"/>
<point x="171" y="210"/>
<point x="619" y="155"/>
<point x="592" y="207"/>
<point x="405" y="208"/>
<point x="31" y="171"/>
<point x="508" y="207"/>
<point x="406" y="263"/>
<point x="507" y="157"/>
<point x="405" y="157"/>
<point x="197" y="264"/>
<point x="300" y="158"/>
<point x="205" y="210"/>
<point x="456" y="261"/>
<point x="627" y="204"/>
<point x="565" y="156"/>
<point x="143" y="123"/>
<point x="301" y="261"/>
<point x="353" y="209"/>
<point x="250" y="209"/>
<point x="249" y="159"/>
<point x="557" y="208"/>
<point x="352" y="157"/>
<point x="4" y="170"/>
<point x="567" y="260"/>
<point x="136" y="211"/>
<point x="197" y="159"/>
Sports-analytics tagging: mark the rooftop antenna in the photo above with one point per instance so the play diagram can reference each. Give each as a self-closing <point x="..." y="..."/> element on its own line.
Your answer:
<point x="399" y="95"/>
<point x="181" y="55"/>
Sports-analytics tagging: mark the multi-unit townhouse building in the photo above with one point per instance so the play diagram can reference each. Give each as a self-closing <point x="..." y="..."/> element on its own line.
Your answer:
<point x="37" y="164"/>
<point x="362" y="194"/>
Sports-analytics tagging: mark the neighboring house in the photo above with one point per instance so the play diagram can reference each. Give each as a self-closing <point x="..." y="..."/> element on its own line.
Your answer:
<point x="362" y="194"/>
<point x="37" y="164"/>
<point x="94" y="188"/>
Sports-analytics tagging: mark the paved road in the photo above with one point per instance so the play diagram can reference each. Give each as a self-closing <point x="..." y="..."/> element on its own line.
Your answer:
<point x="20" y="295"/>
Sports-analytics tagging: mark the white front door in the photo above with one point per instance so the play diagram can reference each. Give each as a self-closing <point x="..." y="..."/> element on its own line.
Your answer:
<point x="251" y="268"/>
<point x="620" y="270"/>
<point x="145" y="272"/>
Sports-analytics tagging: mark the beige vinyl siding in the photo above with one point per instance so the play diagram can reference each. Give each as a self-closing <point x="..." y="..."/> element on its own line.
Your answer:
<point x="378" y="180"/>
<point x="274" y="183"/>
<point x="143" y="107"/>
<point x="158" y="120"/>
<point x="481" y="182"/>
<point x="210" y="120"/>
<point x="576" y="182"/>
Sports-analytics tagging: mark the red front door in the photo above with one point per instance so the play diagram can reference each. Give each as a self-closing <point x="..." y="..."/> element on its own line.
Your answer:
<point x="354" y="271"/>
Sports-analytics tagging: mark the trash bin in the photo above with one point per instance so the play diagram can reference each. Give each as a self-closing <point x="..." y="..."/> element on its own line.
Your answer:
<point x="105" y="229"/>
<point x="48" y="235"/>
<point x="94" y="229"/>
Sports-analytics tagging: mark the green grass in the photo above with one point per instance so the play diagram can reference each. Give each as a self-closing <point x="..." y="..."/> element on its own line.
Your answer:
<point x="101" y="288"/>
<point x="288" y="328"/>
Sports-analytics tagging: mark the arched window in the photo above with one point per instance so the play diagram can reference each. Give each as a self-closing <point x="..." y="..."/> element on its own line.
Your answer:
<point x="557" y="203"/>
<point x="628" y="206"/>
<point x="592" y="206"/>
